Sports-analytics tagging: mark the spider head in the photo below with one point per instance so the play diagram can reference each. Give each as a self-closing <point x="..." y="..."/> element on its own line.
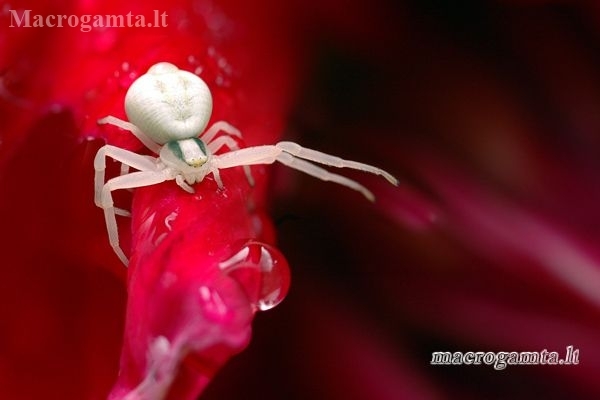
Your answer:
<point x="168" y="104"/>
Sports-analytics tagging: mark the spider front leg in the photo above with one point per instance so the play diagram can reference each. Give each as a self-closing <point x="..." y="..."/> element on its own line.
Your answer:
<point x="227" y="141"/>
<point x="149" y="175"/>
<point x="127" y="159"/>
<point x="323" y="174"/>
<point x="326" y="159"/>
<point x="124" y="171"/>
<point x="128" y="126"/>
<point x="295" y="156"/>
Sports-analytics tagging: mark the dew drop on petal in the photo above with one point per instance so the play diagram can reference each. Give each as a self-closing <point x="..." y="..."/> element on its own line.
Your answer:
<point x="262" y="271"/>
<point x="125" y="77"/>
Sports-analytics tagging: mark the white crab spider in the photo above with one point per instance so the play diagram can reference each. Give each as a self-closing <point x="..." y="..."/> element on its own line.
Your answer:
<point x="167" y="107"/>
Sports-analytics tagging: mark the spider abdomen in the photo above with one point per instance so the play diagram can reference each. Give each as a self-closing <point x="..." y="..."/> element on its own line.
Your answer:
<point x="167" y="103"/>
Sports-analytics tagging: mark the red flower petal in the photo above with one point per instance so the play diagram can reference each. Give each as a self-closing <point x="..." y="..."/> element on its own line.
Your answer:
<point x="56" y="84"/>
<point x="190" y="308"/>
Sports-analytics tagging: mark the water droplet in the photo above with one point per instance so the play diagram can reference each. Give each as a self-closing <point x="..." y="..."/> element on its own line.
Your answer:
<point x="125" y="76"/>
<point x="262" y="271"/>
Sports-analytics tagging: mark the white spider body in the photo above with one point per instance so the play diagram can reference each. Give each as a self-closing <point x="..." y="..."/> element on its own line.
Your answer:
<point x="167" y="108"/>
<point x="168" y="104"/>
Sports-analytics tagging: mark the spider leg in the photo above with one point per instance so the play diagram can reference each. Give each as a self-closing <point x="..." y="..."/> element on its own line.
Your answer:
<point x="180" y="180"/>
<point x="124" y="169"/>
<point x="218" y="126"/>
<point x="217" y="176"/>
<point x="322" y="158"/>
<point x="125" y="157"/>
<point x="323" y="174"/>
<point x="296" y="157"/>
<point x="132" y="180"/>
<point x="128" y="126"/>
<point x="248" y="156"/>
<point x="222" y="141"/>
<point x="120" y="211"/>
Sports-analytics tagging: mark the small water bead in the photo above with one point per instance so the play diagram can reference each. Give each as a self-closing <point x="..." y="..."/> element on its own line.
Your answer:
<point x="192" y="60"/>
<point x="125" y="75"/>
<point x="263" y="273"/>
<point x="194" y="64"/>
